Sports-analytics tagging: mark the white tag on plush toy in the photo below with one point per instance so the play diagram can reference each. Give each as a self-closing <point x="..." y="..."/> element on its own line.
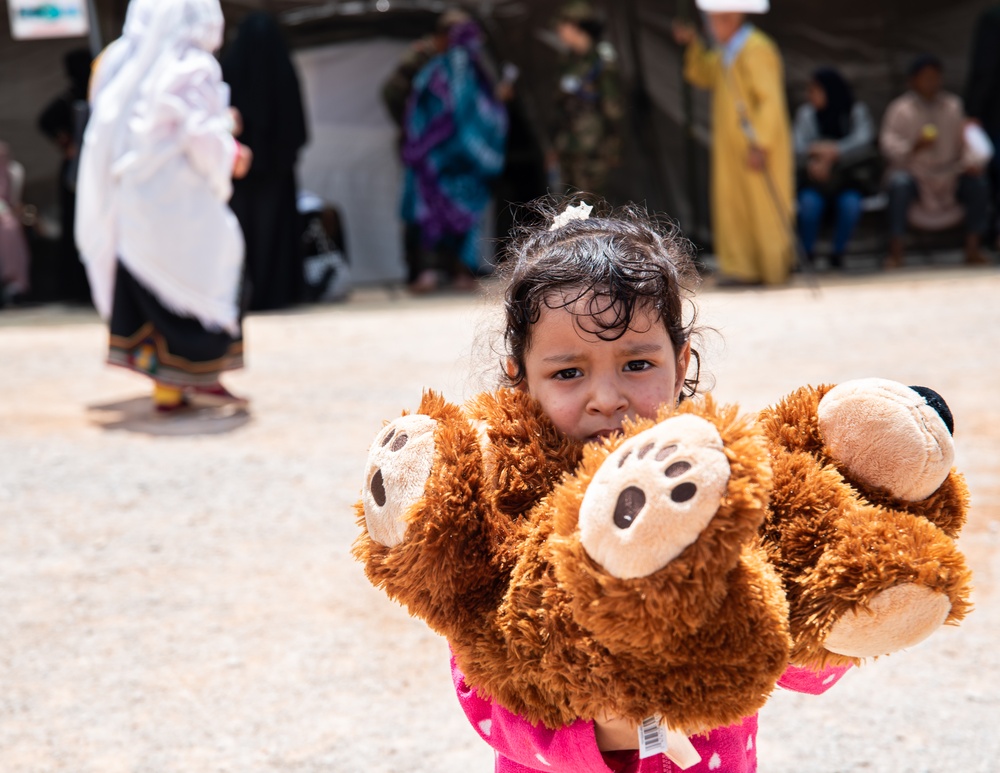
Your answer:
<point x="652" y="737"/>
<point x="656" y="738"/>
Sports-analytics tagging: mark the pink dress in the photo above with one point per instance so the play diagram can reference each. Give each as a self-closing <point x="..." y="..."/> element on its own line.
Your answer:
<point x="522" y="747"/>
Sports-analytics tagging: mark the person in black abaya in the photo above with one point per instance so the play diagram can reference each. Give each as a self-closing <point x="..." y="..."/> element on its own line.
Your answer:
<point x="265" y="91"/>
<point x="62" y="121"/>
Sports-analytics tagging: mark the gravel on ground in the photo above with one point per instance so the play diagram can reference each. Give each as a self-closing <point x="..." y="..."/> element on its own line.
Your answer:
<point x="178" y="595"/>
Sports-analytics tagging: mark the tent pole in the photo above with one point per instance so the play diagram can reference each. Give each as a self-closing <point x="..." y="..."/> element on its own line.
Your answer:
<point x="96" y="43"/>
<point x="684" y="13"/>
<point x="642" y="103"/>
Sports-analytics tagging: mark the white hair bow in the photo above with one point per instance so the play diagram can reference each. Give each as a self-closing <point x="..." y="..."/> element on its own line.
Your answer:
<point x="578" y="212"/>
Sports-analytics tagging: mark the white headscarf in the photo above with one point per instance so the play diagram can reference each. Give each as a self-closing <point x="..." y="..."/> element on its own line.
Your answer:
<point x="156" y="162"/>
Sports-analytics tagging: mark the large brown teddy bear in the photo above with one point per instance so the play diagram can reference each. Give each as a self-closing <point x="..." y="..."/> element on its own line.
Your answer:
<point x="676" y="569"/>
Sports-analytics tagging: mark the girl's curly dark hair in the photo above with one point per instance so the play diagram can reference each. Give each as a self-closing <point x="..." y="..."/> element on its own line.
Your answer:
<point x="620" y="261"/>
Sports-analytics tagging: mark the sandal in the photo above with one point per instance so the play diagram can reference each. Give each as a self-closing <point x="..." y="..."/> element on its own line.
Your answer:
<point x="168" y="409"/>
<point x="426" y="282"/>
<point x="217" y="394"/>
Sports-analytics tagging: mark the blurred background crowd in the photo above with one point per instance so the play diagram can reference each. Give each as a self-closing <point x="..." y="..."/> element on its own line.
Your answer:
<point x="393" y="140"/>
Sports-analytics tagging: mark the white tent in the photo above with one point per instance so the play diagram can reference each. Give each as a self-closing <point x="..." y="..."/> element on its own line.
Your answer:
<point x="351" y="160"/>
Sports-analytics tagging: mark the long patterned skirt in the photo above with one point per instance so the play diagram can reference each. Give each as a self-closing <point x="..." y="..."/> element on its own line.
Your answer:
<point x="172" y="350"/>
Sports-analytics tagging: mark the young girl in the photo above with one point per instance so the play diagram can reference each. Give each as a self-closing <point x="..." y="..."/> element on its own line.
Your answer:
<point x="163" y="252"/>
<point x="598" y="328"/>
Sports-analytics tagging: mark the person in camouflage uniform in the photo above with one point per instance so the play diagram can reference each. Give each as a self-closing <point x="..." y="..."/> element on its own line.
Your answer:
<point x="585" y="134"/>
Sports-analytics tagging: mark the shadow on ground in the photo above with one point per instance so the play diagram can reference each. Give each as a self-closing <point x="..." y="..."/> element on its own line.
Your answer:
<point x="136" y="414"/>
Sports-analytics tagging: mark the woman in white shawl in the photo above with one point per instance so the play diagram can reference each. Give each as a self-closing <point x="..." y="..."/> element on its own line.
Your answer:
<point x="164" y="254"/>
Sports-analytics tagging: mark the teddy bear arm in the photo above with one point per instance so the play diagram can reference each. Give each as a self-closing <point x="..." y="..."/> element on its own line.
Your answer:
<point x="655" y="634"/>
<point x="886" y="581"/>
<point x="648" y="530"/>
<point x="429" y="537"/>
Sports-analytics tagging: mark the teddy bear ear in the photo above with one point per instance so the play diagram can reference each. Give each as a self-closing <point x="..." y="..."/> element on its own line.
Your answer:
<point x="935" y="401"/>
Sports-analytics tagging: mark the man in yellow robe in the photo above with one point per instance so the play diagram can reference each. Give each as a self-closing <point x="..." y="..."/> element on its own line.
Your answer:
<point x="753" y="183"/>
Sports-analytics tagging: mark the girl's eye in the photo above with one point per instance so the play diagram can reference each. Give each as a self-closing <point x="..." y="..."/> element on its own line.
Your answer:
<point x="637" y="365"/>
<point x="567" y="374"/>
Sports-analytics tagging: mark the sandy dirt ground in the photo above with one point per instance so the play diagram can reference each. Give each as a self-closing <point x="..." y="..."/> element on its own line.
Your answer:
<point x="179" y="595"/>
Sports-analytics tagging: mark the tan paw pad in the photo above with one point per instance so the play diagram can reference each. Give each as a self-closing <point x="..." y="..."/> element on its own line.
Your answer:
<point x="399" y="463"/>
<point x="653" y="496"/>
<point x="897" y="618"/>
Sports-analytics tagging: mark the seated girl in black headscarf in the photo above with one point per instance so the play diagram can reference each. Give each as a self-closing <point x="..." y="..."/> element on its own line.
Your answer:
<point x="836" y="159"/>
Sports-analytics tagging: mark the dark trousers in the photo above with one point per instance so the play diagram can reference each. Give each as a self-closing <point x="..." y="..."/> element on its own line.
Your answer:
<point x="973" y="195"/>
<point x="993" y="170"/>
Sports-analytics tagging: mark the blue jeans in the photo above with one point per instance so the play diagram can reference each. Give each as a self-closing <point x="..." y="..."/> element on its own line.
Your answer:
<point x="812" y="207"/>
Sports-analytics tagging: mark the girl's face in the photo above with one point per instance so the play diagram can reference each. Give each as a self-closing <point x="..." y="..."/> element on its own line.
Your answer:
<point x="586" y="385"/>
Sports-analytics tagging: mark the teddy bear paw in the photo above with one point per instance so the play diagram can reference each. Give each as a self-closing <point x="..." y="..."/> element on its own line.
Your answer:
<point x="399" y="463"/>
<point x="653" y="496"/>
<point x="889" y="436"/>
<point x="895" y="619"/>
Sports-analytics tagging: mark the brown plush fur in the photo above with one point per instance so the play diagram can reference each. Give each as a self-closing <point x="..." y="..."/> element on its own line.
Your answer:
<point x="538" y="625"/>
<point x="493" y="559"/>
<point x="838" y="543"/>
<point x="526" y="454"/>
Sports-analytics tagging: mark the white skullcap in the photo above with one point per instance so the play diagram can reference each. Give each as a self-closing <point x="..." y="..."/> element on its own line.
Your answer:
<point x="733" y="6"/>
